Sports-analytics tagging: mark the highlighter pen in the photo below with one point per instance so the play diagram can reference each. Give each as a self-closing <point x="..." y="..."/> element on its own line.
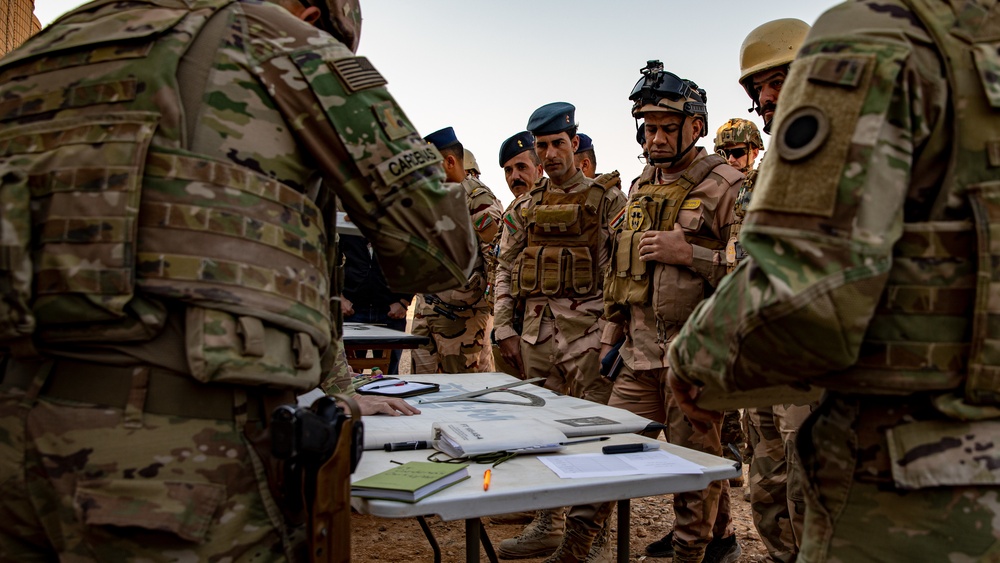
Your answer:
<point x="403" y="446"/>
<point x="629" y="448"/>
<point x="486" y="480"/>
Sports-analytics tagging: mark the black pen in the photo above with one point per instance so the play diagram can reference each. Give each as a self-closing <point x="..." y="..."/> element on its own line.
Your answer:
<point x="585" y="440"/>
<point x="401" y="446"/>
<point x="630" y="448"/>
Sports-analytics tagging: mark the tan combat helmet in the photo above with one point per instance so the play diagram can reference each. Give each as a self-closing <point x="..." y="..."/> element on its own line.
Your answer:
<point x="736" y="131"/>
<point x="771" y="45"/>
<point x="469" y="162"/>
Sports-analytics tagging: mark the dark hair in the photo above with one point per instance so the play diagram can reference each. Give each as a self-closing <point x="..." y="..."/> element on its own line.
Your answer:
<point x="456" y="150"/>
<point x="589" y="153"/>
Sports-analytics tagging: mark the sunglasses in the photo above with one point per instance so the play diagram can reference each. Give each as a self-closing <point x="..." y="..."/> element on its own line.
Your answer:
<point x="736" y="153"/>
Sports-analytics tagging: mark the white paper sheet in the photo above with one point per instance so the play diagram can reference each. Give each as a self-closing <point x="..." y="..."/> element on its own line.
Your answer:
<point x="656" y="462"/>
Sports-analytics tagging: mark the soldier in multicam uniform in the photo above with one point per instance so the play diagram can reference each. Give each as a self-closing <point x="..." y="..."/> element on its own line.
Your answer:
<point x="458" y="322"/>
<point x="872" y="236"/>
<point x="566" y="219"/>
<point x="739" y="142"/>
<point x="169" y="173"/>
<point x="668" y="255"/>
<point x="775" y="489"/>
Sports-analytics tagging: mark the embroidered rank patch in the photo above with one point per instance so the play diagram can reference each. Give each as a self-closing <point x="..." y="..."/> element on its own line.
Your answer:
<point x="357" y="74"/>
<point x="483" y="222"/>
<point x="509" y="222"/>
<point x="619" y="219"/>
<point x="406" y="162"/>
<point x="691" y="204"/>
<point x="392" y="120"/>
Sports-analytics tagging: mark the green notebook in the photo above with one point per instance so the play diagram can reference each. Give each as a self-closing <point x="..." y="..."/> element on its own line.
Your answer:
<point x="411" y="481"/>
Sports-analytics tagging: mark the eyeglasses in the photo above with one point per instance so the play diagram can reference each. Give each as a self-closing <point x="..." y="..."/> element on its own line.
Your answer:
<point x="736" y="153"/>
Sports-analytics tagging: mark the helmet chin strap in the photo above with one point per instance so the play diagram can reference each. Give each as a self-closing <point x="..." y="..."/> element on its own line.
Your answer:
<point x="672" y="161"/>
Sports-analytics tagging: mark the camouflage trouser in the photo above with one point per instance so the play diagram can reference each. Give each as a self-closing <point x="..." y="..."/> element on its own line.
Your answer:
<point x="775" y="483"/>
<point x="456" y="346"/>
<point x="732" y="433"/>
<point x="699" y="515"/>
<point x="856" y="511"/>
<point x="81" y="482"/>
<point x="573" y="368"/>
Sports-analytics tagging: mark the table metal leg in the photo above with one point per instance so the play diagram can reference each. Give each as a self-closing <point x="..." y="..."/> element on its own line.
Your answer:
<point x="430" y="538"/>
<point x="487" y="544"/>
<point x="624" y="531"/>
<point x="472" y="526"/>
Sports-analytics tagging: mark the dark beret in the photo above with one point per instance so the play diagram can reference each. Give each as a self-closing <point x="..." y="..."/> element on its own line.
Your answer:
<point x="552" y="118"/>
<point x="515" y="145"/>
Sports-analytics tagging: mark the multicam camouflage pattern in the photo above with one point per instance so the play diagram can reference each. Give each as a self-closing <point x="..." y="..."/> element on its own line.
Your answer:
<point x="828" y="268"/>
<point x="79" y="482"/>
<point x="113" y="211"/>
<point x="573" y="317"/>
<point x="738" y="131"/>
<point x="181" y="186"/>
<point x="457" y="346"/>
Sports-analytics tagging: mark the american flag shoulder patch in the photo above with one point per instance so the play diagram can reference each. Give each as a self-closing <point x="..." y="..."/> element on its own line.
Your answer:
<point x="357" y="73"/>
<point x="618" y="219"/>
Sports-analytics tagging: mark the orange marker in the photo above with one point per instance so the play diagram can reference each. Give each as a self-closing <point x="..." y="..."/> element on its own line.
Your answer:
<point x="486" y="480"/>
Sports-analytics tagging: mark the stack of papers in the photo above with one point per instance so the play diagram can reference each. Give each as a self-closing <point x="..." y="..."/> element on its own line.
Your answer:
<point x="463" y="439"/>
<point x="657" y="462"/>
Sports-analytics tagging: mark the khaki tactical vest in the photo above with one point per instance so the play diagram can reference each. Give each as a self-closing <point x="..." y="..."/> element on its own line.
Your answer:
<point x="734" y="250"/>
<point x="561" y="256"/>
<point x="630" y="281"/>
<point x="92" y="142"/>
<point x="944" y="272"/>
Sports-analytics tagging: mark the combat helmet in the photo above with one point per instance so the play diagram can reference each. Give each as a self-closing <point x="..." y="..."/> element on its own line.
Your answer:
<point x="659" y="90"/>
<point x="737" y="131"/>
<point x="771" y="45"/>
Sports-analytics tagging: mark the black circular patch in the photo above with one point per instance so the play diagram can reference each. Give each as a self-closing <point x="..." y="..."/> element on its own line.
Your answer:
<point x="802" y="133"/>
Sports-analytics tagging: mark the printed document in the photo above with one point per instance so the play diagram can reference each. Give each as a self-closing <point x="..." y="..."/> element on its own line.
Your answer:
<point x="657" y="462"/>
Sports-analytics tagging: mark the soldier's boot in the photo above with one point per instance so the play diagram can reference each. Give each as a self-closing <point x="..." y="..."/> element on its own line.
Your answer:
<point x="538" y="539"/>
<point x="575" y="547"/>
<point x="601" y="549"/>
<point x="514" y="518"/>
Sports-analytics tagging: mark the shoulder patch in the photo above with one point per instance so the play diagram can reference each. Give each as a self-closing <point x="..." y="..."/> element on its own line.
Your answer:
<point x="691" y="204"/>
<point x="839" y="70"/>
<point x="357" y="74"/>
<point x="391" y="120"/>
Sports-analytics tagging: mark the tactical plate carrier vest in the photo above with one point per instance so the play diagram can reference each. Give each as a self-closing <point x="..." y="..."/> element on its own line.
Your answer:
<point x="92" y="142"/>
<point x="735" y="252"/>
<point x="672" y="291"/>
<point x="561" y="256"/>
<point x="945" y="273"/>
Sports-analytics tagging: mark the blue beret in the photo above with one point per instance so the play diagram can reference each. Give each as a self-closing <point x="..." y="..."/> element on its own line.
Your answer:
<point x="515" y="145"/>
<point x="552" y="118"/>
<point x="442" y="138"/>
<point x="586" y="143"/>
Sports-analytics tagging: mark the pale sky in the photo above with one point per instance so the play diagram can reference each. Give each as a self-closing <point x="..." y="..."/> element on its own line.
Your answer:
<point x="483" y="66"/>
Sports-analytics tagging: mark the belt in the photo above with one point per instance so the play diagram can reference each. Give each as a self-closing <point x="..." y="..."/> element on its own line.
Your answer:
<point x="168" y="392"/>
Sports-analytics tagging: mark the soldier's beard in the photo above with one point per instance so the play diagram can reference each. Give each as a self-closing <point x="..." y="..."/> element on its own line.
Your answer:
<point x="769" y="107"/>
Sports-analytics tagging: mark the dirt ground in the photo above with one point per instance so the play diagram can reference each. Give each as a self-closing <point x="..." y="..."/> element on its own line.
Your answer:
<point x="402" y="540"/>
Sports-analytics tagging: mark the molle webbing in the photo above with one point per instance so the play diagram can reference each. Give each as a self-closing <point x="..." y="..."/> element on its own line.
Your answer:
<point x="919" y="337"/>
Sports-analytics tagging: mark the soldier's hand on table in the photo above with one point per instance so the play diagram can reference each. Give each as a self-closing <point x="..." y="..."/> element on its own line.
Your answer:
<point x="346" y="307"/>
<point x="510" y="349"/>
<point x="686" y="394"/>
<point x="668" y="247"/>
<point x="397" y="311"/>
<point x="392" y="406"/>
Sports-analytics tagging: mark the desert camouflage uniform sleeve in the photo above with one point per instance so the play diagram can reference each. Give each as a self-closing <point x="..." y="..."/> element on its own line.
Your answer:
<point x="387" y="178"/>
<point x="512" y="243"/>
<point x="708" y="263"/>
<point x="821" y="229"/>
<point x="485" y="210"/>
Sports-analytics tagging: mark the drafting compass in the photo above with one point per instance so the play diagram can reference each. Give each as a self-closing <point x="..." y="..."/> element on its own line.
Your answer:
<point x="476" y="396"/>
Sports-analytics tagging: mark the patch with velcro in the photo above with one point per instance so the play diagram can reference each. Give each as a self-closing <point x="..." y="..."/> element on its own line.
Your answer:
<point x="357" y="73"/>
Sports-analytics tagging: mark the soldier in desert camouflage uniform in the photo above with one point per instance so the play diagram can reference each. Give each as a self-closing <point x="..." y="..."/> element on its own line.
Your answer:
<point x="667" y="256"/>
<point x="458" y="322"/>
<point x="166" y="273"/>
<point x="565" y="218"/>
<point x="739" y="142"/>
<point x="872" y="241"/>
